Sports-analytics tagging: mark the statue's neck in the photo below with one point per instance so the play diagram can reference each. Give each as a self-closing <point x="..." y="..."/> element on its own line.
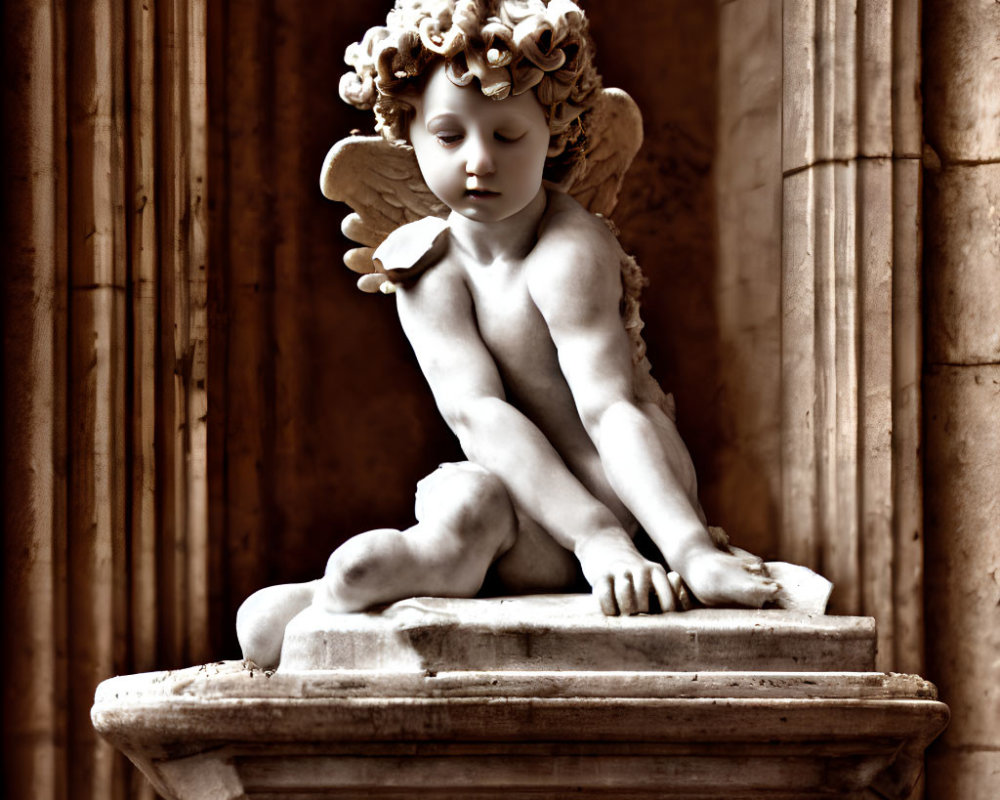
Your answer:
<point x="508" y="239"/>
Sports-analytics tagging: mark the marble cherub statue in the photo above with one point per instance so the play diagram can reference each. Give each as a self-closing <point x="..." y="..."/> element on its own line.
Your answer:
<point x="485" y="195"/>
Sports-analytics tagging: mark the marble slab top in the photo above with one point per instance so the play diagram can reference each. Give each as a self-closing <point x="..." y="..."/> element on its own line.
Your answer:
<point x="569" y="632"/>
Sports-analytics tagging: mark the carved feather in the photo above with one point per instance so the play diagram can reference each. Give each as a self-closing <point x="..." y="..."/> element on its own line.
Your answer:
<point x="613" y="140"/>
<point x="383" y="184"/>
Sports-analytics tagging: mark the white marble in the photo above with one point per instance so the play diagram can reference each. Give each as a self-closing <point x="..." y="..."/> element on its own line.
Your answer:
<point x="569" y="632"/>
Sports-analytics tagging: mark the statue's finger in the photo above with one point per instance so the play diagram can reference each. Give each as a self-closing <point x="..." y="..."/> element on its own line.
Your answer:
<point x="643" y="586"/>
<point x="360" y="260"/>
<point x="372" y="282"/>
<point x="605" y="591"/>
<point x="664" y="593"/>
<point x="355" y="229"/>
<point x="680" y="591"/>
<point x="625" y="594"/>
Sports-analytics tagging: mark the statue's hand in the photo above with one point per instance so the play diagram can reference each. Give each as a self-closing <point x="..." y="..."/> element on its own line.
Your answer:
<point x="383" y="185"/>
<point x="621" y="578"/>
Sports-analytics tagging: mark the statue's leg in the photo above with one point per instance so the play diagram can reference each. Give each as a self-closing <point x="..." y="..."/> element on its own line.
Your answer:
<point x="465" y="520"/>
<point x="261" y="619"/>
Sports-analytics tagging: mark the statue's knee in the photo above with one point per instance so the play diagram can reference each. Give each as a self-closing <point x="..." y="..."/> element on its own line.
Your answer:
<point x="462" y="491"/>
<point x="354" y="563"/>
<point x="477" y="499"/>
<point x="484" y="491"/>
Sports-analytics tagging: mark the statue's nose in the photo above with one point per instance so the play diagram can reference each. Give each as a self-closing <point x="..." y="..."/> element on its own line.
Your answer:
<point x="479" y="160"/>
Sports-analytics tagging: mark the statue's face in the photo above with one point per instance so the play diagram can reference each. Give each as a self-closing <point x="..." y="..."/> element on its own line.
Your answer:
<point x="482" y="158"/>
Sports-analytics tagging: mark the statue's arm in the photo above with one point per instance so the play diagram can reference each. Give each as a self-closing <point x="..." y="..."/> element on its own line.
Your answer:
<point x="437" y="316"/>
<point x="577" y="288"/>
<point x="574" y="278"/>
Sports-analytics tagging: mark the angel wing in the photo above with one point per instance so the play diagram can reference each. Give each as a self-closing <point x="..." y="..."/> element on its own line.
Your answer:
<point x="613" y="140"/>
<point x="382" y="183"/>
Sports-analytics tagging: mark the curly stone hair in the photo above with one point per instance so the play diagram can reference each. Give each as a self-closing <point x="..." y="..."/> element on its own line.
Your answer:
<point x="508" y="46"/>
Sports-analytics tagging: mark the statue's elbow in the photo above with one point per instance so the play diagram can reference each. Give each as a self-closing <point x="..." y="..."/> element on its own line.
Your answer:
<point x="468" y="416"/>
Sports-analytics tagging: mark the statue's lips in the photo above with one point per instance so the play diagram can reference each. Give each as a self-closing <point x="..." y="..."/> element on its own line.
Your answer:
<point x="480" y="194"/>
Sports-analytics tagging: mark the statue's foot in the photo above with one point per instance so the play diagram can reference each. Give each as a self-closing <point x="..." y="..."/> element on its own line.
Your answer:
<point x="261" y="620"/>
<point x="721" y="578"/>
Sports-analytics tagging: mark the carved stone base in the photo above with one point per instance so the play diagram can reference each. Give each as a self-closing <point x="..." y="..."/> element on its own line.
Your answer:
<point x="560" y="632"/>
<point x="228" y="730"/>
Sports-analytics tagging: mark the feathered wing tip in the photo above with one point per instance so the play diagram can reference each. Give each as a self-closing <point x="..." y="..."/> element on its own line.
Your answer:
<point x="613" y="140"/>
<point x="382" y="183"/>
<point x="647" y="388"/>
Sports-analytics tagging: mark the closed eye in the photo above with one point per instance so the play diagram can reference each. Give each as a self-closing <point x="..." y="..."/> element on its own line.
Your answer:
<point x="448" y="138"/>
<point x="507" y="138"/>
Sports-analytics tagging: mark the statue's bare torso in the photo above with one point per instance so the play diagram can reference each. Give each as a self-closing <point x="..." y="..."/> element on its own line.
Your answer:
<point x="518" y="331"/>
<point x="519" y="340"/>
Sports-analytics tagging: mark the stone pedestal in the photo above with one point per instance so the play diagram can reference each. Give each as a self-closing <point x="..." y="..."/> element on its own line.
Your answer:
<point x="714" y="706"/>
<point x="569" y="632"/>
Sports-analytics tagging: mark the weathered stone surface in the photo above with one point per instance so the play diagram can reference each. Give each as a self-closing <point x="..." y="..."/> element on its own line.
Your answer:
<point x="961" y="68"/>
<point x="746" y="466"/>
<point x="877" y="551"/>
<point x="733" y="735"/>
<point x="798" y="113"/>
<point x="907" y="119"/>
<point x="961" y="76"/>
<point x="840" y="72"/>
<point x="851" y="347"/>
<point x="963" y="263"/>
<point x="962" y="420"/>
<point x="570" y="632"/>
<point x="907" y="453"/>
<point x="875" y="76"/>
<point x="837" y="392"/>
<point x="799" y="356"/>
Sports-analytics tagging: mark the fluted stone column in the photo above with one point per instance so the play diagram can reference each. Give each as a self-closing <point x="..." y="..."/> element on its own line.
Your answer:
<point x="104" y="316"/>
<point x="962" y="389"/>
<point x="850" y="310"/>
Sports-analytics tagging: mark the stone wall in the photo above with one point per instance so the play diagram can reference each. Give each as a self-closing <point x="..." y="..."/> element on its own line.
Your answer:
<point x="850" y="419"/>
<point x="105" y="538"/>
<point x="744" y="489"/>
<point x="962" y="389"/>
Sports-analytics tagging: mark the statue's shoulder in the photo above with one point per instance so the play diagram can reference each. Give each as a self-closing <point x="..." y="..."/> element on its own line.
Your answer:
<point x="565" y="217"/>
<point x="574" y="237"/>
<point x="563" y="206"/>
<point x="412" y="248"/>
